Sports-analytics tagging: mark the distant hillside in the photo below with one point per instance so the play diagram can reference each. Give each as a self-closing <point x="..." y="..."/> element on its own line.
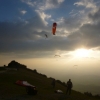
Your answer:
<point x="90" y="88"/>
<point x="10" y="91"/>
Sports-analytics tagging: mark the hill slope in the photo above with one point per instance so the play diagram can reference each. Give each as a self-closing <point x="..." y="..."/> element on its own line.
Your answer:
<point x="10" y="91"/>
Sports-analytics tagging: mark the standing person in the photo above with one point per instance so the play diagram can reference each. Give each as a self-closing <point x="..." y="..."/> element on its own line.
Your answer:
<point x="69" y="87"/>
<point x="53" y="83"/>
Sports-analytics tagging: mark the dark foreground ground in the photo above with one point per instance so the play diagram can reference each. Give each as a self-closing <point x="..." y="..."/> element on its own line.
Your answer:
<point x="46" y="97"/>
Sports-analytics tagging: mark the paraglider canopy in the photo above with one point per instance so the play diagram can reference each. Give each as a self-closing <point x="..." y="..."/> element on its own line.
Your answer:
<point x="30" y="89"/>
<point x="23" y="83"/>
<point x="57" y="56"/>
<point x="54" y="28"/>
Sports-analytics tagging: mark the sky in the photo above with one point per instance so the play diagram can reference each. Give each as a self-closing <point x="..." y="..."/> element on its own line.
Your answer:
<point x="73" y="52"/>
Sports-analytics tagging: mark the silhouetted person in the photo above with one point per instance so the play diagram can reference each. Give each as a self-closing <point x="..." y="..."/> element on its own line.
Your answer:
<point x="53" y="83"/>
<point x="69" y="87"/>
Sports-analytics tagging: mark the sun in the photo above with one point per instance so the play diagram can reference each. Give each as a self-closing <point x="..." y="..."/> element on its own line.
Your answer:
<point x="81" y="53"/>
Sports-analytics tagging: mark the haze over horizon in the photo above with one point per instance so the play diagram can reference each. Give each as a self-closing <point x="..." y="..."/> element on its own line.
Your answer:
<point x="74" y="51"/>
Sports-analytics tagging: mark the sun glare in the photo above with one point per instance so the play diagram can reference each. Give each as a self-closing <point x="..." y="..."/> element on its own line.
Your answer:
<point x="81" y="53"/>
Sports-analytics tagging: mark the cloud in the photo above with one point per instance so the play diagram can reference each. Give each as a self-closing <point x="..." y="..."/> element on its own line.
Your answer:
<point x="23" y="12"/>
<point x="86" y="3"/>
<point x="18" y="35"/>
<point x="50" y="4"/>
<point x="71" y="24"/>
<point x="95" y="16"/>
<point x="91" y="34"/>
<point x="27" y="37"/>
<point x="88" y="35"/>
<point x="43" y="16"/>
<point x="29" y="2"/>
<point x="85" y="26"/>
<point x="43" y="4"/>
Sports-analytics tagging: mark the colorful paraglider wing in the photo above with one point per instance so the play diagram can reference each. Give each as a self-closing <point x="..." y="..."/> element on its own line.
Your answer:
<point x="54" y="28"/>
<point x="23" y="83"/>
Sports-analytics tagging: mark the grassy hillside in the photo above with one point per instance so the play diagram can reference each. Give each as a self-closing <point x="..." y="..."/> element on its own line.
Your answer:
<point x="10" y="91"/>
